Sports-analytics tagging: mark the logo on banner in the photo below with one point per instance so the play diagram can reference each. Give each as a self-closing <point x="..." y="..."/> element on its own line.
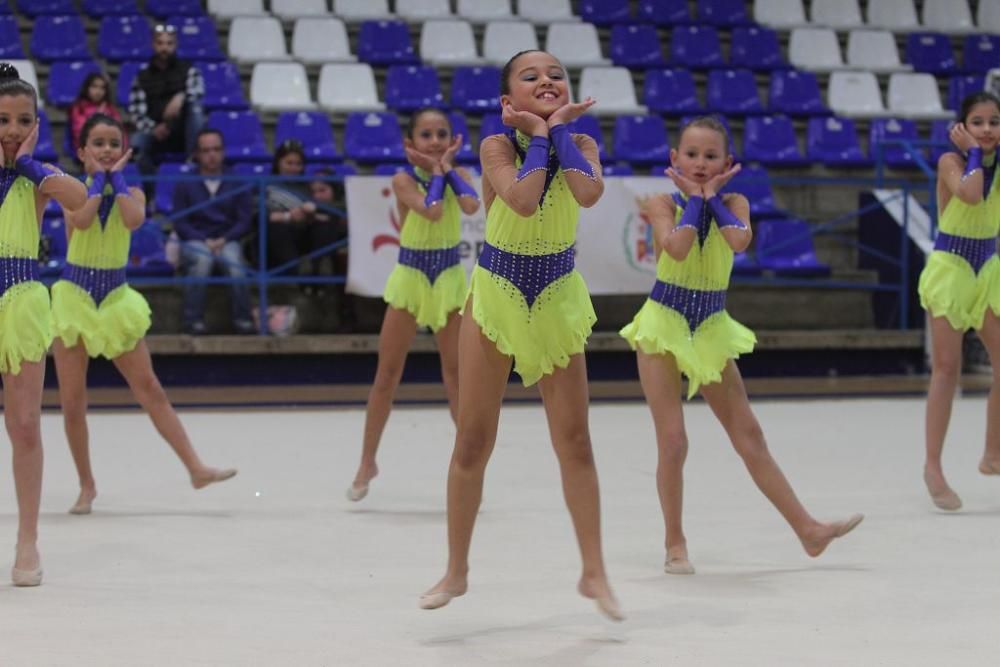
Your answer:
<point x="388" y="239"/>
<point x="637" y="238"/>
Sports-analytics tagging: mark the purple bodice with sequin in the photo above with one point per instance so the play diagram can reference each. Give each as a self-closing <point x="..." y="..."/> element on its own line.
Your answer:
<point x="694" y="305"/>
<point x="531" y="274"/>
<point x="974" y="251"/>
<point x="98" y="283"/>
<point x="431" y="262"/>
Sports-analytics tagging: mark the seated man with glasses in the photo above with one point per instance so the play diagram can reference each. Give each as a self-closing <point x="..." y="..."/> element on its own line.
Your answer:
<point x="165" y="103"/>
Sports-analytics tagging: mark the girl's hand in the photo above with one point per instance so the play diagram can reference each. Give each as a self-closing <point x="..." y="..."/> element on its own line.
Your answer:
<point x="448" y="159"/>
<point x="122" y="161"/>
<point x="27" y="146"/>
<point x="569" y="112"/>
<point x="418" y="159"/>
<point x="525" y="121"/>
<point x="684" y="184"/>
<point x="961" y="137"/>
<point x="716" y="183"/>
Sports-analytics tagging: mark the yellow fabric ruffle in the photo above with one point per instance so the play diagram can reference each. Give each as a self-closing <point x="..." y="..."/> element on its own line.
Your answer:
<point x="409" y="289"/>
<point x="110" y="330"/>
<point x="25" y="325"/>
<point x="949" y="288"/>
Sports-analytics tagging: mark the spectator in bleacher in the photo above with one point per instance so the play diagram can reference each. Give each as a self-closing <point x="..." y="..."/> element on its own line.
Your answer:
<point x="94" y="97"/>
<point x="212" y="234"/>
<point x="165" y="103"/>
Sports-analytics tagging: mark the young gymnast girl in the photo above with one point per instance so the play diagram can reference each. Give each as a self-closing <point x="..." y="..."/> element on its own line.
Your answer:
<point x="427" y="287"/>
<point x="528" y="305"/>
<point x="95" y="312"/>
<point x="683" y="327"/>
<point x="26" y="186"/>
<point x="960" y="284"/>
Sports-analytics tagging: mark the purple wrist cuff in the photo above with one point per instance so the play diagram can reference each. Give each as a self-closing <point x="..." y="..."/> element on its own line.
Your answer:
<point x="536" y="158"/>
<point x="435" y="192"/>
<point x="692" y="214"/>
<point x="974" y="162"/>
<point x="97" y="183"/>
<point x="118" y="184"/>
<point x="33" y="170"/>
<point x="723" y="216"/>
<point x="459" y="185"/>
<point x="570" y="157"/>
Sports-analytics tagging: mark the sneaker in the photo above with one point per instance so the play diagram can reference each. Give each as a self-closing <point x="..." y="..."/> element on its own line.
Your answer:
<point x="196" y="328"/>
<point x="244" y="328"/>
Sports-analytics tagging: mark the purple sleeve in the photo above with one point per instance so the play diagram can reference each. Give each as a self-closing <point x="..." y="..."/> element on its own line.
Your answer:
<point x="118" y="184"/>
<point x="692" y="214"/>
<point x="435" y="192"/>
<point x="974" y="162"/>
<point x="34" y="170"/>
<point x="536" y="158"/>
<point x="460" y="186"/>
<point x="570" y="157"/>
<point x="185" y="229"/>
<point x="723" y="216"/>
<point x="243" y="214"/>
<point x="97" y="183"/>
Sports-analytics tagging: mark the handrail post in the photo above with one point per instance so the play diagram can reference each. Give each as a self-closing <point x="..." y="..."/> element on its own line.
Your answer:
<point x="262" y="275"/>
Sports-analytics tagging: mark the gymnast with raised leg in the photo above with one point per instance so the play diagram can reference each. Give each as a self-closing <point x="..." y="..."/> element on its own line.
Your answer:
<point x="95" y="313"/>
<point x="26" y="185"/>
<point x="683" y="328"/>
<point x="528" y="306"/>
<point x="960" y="284"/>
<point x="427" y="287"/>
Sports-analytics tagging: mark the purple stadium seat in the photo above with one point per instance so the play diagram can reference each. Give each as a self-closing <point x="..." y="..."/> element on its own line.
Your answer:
<point x="45" y="149"/>
<point x="66" y="78"/>
<point x="605" y="12"/>
<point x="786" y="247"/>
<point x="771" y="141"/>
<point x="475" y="89"/>
<point x="883" y="129"/>
<point x="459" y="126"/>
<point x="373" y="137"/>
<point x="981" y="53"/>
<point x="5" y="8"/>
<point x="756" y="47"/>
<point x="636" y="46"/>
<point x="126" y="75"/>
<point x="10" y="39"/>
<point x="754" y="183"/>
<point x="336" y="170"/>
<point x="616" y="169"/>
<point x="163" y="8"/>
<point x="834" y="142"/>
<point x="940" y="133"/>
<point x="723" y="12"/>
<point x="99" y="8"/>
<point x="590" y="125"/>
<point x="310" y="128"/>
<point x="196" y="38"/>
<point x="410" y="87"/>
<point x="125" y="38"/>
<point x="132" y="175"/>
<point x="695" y="46"/>
<point x="664" y="12"/>
<point x="490" y="125"/>
<point x="147" y="253"/>
<point x="164" y="198"/>
<point x="659" y="170"/>
<point x="671" y="91"/>
<point x="242" y="133"/>
<point x="962" y="85"/>
<point x="54" y="239"/>
<point x="59" y="38"/>
<point x="390" y="168"/>
<point x="733" y="91"/>
<point x="930" y="52"/>
<point x="386" y="43"/>
<point x="640" y="139"/>
<point x="223" y="90"/>
<point x="35" y="8"/>
<point x="252" y="169"/>
<point x="745" y="265"/>
<point x="796" y="93"/>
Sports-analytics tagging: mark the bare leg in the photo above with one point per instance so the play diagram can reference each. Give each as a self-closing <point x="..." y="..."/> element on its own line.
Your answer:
<point x="398" y="330"/>
<point x="946" y="366"/>
<point x="447" y="344"/>
<point x="990" y="335"/>
<point x="482" y="374"/>
<point x="566" y="397"/>
<point x="137" y="369"/>
<point x="22" y="417"/>
<point x="661" y="383"/>
<point x="728" y="400"/>
<point x="71" y="368"/>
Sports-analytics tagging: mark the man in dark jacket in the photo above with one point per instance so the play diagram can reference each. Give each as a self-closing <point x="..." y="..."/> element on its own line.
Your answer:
<point x="211" y="234"/>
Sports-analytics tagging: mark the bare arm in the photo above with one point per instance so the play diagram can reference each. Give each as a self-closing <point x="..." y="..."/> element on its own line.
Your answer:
<point x="409" y="195"/>
<point x="83" y="217"/>
<point x="661" y="211"/>
<point x="132" y="207"/>
<point x="499" y="166"/>
<point x="951" y="166"/>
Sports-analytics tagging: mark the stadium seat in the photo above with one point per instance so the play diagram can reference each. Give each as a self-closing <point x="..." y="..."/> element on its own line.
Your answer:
<point x="482" y="11"/>
<point x="59" y="38"/>
<point x="981" y="53"/>
<point x="125" y="38"/>
<point x="223" y="90"/>
<point x="35" y="8"/>
<point x="895" y="15"/>
<point x="896" y="129"/>
<point x="723" y="13"/>
<point x="841" y="14"/>
<point x="834" y="142"/>
<point x="502" y="39"/>
<point x="26" y="71"/>
<point x="491" y="124"/>
<point x="422" y="10"/>
<point x="754" y="183"/>
<point x="385" y="43"/>
<point x="612" y="87"/>
<point x="290" y="10"/>
<point x="786" y="247"/>
<point x="733" y="91"/>
<point x="161" y="9"/>
<point x="636" y="46"/>
<point x="337" y="171"/>
<point x="873" y="50"/>
<point x="695" y="46"/>
<point x="961" y="86"/>
<point x="101" y="8"/>
<point x="745" y="265"/>
<point x="348" y="87"/>
<point x="771" y="140"/>
<point x="779" y="13"/>
<point x="575" y="44"/>
<point x="10" y="39"/>
<point x="56" y="244"/>
<point x="590" y="126"/>
<point x="127" y="72"/>
<point x="475" y="89"/>
<point x="545" y="11"/>
<point x="196" y="38"/>
<point x="280" y="86"/>
<point x="66" y="78"/>
<point x="458" y="126"/>
<point x="373" y="137"/>
<point x="940" y="133"/>
<point x="255" y="39"/>
<point x="411" y="87"/>
<point x="448" y="42"/>
<point x="147" y="252"/>
<point x="814" y="49"/>
<point x="671" y="92"/>
<point x="988" y="16"/>
<point x="252" y="169"/>
<point x="664" y="12"/>
<point x="164" y="196"/>
<point x="930" y="52"/>
<point x="640" y="139"/>
<point x="310" y="128"/>
<point x="616" y="170"/>
<point x="230" y="9"/>
<point x="605" y="12"/>
<point x="796" y="93"/>
<point x="915" y="96"/>
<point x="321" y="40"/>
<point x="362" y="10"/>
<point x="756" y="47"/>
<point x="45" y="149"/>
<point x="391" y="168"/>
<point x="854" y="94"/>
<point x="242" y="133"/>
<point x="951" y="16"/>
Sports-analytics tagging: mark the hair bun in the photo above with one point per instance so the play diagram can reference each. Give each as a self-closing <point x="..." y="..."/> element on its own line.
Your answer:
<point x="8" y="71"/>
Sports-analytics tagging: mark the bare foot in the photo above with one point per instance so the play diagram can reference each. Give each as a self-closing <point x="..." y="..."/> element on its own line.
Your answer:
<point x="598" y="590"/>
<point x="941" y="494"/>
<point x="989" y="467"/>
<point x="442" y="593"/>
<point x="359" y="488"/>
<point x="677" y="560"/>
<point x="84" y="501"/>
<point x="203" y="478"/>
<point x="819" y="538"/>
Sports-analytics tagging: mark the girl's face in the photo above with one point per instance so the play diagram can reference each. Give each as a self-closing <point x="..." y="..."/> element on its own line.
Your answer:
<point x="291" y="164"/>
<point x="983" y="123"/>
<point x="321" y="191"/>
<point x="431" y="134"/>
<point x="105" y="144"/>
<point x="97" y="91"/>
<point x="538" y="84"/>
<point x="17" y="118"/>
<point x="701" y="155"/>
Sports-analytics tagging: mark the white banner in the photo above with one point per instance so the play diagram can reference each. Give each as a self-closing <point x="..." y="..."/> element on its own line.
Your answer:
<point x="614" y="249"/>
